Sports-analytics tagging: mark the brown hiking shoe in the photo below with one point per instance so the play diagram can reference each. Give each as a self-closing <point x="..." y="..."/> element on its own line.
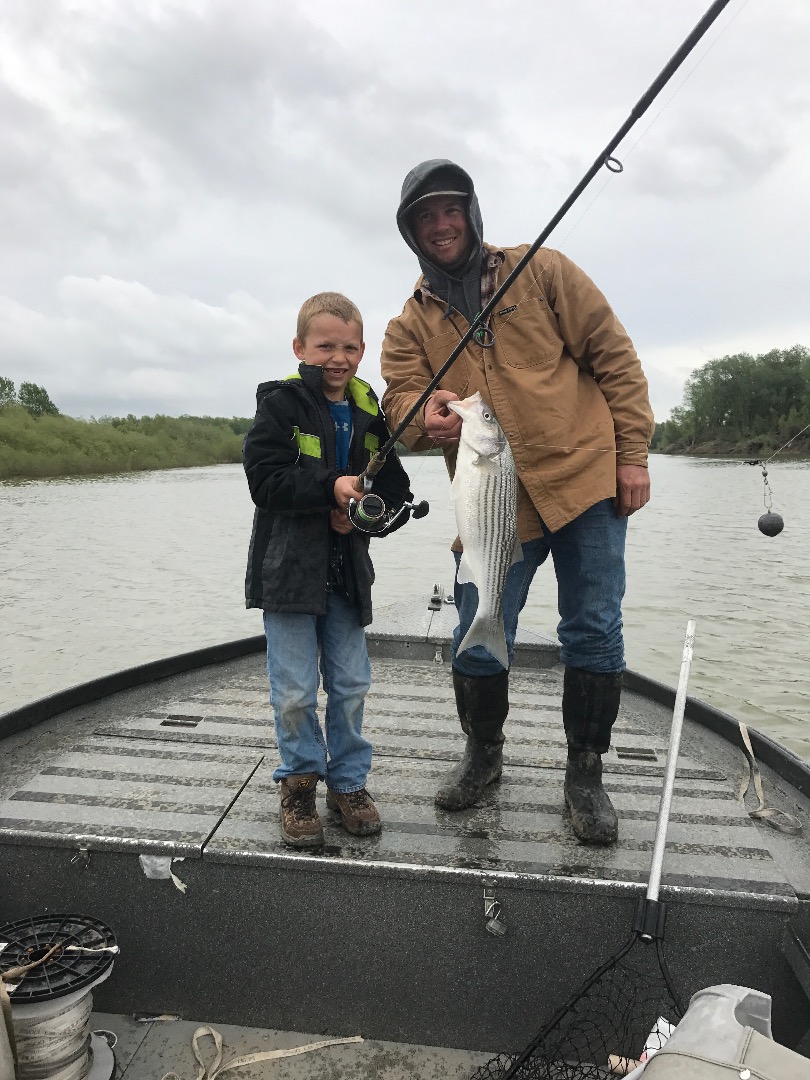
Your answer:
<point x="300" y="825"/>
<point x="356" y="810"/>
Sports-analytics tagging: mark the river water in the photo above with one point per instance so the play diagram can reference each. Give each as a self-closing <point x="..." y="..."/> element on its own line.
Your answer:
<point x="101" y="574"/>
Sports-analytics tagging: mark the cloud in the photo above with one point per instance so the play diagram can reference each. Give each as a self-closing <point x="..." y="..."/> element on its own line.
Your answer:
<point x="127" y="346"/>
<point x="179" y="175"/>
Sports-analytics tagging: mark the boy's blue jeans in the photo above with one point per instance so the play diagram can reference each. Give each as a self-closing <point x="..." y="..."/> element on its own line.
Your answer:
<point x="588" y="556"/>
<point x="301" y="648"/>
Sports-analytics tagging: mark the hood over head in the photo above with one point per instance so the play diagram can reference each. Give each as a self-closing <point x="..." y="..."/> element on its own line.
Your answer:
<point x="442" y="177"/>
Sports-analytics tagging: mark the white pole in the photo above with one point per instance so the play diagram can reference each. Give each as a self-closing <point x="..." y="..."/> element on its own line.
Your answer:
<point x="672" y="763"/>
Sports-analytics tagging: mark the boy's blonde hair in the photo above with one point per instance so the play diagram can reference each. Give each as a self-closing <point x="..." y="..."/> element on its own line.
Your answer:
<point x="327" y="303"/>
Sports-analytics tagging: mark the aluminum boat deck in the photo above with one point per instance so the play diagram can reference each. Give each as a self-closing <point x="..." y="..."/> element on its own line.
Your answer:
<point x="266" y="936"/>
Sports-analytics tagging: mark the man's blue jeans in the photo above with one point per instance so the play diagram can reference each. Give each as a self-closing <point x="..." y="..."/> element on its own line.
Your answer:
<point x="588" y="556"/>
<point x="301" y="648"/>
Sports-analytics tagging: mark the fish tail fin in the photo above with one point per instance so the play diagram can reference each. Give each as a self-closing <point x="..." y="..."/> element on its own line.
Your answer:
<point x="489" y="633"/>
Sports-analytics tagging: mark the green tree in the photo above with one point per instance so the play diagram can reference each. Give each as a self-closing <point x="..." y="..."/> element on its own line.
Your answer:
<point x="742" y="403"/>
<point x="36" y="400"/>
<point x="7" y="396"/>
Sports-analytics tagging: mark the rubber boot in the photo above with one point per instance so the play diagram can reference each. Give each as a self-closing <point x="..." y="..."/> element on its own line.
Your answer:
<point x="482" y="703"/>
<point x="590" y="707"/>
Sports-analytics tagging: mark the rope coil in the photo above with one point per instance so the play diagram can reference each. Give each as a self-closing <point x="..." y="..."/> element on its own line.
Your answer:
<point x="47" y="1002"/>
<point x="55" y="1043"/>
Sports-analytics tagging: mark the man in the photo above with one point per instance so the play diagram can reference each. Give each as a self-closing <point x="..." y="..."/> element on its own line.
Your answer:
<point x="566" y="385"/>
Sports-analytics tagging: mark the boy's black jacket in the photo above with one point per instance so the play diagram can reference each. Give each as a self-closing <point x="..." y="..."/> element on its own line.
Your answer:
<point x="290" y="463"/>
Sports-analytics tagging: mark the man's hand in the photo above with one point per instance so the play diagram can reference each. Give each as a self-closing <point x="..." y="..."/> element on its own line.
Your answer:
<point x="339" y="521"/>
<point x="442" y="424"/>
<point x="632" y="489"/>
<point x="346" y="489"/>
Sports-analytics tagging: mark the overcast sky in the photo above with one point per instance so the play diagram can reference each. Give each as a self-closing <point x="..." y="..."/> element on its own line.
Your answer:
<point x="179" y="176"/>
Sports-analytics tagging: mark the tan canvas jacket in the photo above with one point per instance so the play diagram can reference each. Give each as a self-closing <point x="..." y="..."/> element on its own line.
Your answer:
<point x="562" y="377"/>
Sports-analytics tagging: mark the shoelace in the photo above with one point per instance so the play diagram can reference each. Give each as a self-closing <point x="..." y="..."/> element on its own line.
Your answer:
<point x="358" y="800"/>
<point x="301" y="803"/>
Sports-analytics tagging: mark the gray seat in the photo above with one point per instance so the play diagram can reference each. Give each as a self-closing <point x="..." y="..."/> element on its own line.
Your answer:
<point x="725" y="1033"/>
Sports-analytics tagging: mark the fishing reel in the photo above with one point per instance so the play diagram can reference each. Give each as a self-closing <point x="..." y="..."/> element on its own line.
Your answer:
<point x="370" y="514"/>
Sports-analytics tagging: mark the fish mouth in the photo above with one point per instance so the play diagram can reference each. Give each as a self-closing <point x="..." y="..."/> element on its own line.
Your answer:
<point x="462" y="408"/>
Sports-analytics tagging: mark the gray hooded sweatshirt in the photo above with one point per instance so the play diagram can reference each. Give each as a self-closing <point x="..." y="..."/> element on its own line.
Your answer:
<point x="462" y="289"/>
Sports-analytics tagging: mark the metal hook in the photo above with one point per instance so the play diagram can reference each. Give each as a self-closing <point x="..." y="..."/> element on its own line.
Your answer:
<point x="81" y="858"/>
<point x="485" y="336"/>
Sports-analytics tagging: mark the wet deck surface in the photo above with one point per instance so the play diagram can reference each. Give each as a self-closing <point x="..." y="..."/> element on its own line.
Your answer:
<point x="182" y="768"/>
<point x="185" y="767"/>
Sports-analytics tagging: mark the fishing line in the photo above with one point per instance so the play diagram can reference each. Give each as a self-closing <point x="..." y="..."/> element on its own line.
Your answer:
<point x="770" y="523"/>
<point x="626" y="154"/>
<point x="787" y="444"/>
<point x="605" y="159"/>
<point x="585" y="449"/>
<point x="480" y="326"/>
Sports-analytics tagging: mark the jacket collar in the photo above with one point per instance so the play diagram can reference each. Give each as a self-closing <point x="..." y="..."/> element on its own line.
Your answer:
<point x="357" y="390"/>
<point x="491" y="260"/>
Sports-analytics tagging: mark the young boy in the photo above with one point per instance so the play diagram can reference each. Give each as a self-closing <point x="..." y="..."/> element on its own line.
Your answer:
<point x="309" y="568"/>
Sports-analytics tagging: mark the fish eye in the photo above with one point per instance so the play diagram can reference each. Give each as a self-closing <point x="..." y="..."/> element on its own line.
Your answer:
<point x="487" y="415"/>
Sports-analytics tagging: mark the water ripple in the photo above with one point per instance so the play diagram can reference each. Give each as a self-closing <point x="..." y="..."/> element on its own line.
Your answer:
<point x="103" y="573"/>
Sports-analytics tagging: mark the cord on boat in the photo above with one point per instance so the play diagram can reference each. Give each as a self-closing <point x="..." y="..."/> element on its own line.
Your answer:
<point x="777" y="819"/>
<point x="49" y="965"/>
<point x="217" y="1067"/>
<point x="55" y="1045"/>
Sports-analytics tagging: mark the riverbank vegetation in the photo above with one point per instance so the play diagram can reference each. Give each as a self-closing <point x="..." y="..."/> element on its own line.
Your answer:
<point x="36" y="441"/>
<point x="743" y="405"/>
<point x="45" y="445"/>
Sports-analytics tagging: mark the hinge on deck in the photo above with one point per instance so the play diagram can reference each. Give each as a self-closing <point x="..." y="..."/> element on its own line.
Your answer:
<point x="492" y="911"/>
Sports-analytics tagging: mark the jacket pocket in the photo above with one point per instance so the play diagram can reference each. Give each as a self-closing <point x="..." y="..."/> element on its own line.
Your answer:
<point x="528" y="337"/>
<point x="277" y="545"/>
<point x="438" y="349"/>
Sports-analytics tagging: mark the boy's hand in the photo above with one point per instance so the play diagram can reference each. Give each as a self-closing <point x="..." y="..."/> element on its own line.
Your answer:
<point x="347" y="488"/>
<point x="339" y="521"/>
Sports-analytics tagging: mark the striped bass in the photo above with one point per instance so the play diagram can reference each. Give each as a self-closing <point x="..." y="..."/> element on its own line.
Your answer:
<point x="484" y="491"/>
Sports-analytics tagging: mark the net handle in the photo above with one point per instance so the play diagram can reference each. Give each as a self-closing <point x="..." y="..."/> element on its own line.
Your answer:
<point x="665" y="805"/>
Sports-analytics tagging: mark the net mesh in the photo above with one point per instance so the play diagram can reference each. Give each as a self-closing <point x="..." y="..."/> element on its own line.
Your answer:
<point x="604" y="1029"/>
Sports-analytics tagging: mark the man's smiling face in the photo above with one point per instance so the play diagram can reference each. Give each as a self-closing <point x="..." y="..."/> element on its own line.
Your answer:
<point x="442" y="231"/>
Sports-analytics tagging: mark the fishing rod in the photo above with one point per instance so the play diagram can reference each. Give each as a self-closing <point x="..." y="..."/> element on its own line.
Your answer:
<point x="605" y="159"/>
